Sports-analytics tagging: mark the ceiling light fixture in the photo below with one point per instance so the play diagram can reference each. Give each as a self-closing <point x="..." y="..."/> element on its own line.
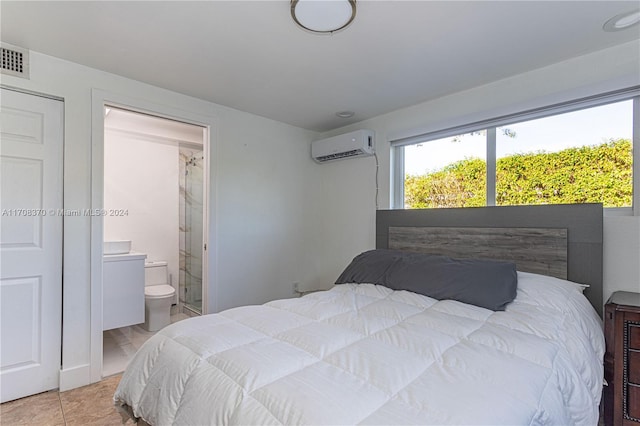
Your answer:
<point x="345" y="114"/>
<point x="622" y="21"/>
<point x="323" y="16"/>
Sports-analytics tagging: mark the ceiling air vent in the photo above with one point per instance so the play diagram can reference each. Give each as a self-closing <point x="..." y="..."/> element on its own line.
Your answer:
<point x="15" y="61"/>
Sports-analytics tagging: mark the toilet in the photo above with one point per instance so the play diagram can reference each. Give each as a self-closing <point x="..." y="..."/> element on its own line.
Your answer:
<point x="158" y="296"/>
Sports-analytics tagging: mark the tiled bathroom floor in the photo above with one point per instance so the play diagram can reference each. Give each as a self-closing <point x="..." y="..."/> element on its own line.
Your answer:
<point x="119" y="345"/>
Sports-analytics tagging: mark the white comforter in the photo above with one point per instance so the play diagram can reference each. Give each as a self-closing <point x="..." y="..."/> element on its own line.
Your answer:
<point x="366" y="354"/>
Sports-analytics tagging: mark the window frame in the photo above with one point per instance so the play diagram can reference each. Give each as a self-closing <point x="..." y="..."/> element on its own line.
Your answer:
<point x="490" y="125"/>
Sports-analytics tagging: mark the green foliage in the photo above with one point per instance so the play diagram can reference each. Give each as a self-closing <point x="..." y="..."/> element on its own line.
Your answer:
<point x="586" y="174"/>
<point x="460" y="184"/>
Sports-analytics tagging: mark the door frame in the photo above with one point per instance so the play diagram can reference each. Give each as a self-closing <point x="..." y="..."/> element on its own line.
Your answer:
<point x="100" y="99"/>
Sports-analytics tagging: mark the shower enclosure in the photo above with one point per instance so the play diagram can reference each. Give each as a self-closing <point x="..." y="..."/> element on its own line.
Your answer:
<point x="191" y="224"/>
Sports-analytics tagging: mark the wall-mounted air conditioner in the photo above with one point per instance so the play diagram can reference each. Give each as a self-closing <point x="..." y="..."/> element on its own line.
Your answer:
<point x="348" y="145"/>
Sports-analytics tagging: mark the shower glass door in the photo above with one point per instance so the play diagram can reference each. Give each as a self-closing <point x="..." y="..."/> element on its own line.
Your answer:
<point x="191" y="223"/>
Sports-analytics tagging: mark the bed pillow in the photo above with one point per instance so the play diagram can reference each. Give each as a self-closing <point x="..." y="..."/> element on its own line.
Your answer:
<point x="484" y="283"/>
<point x="369" y="267"/>
<point x="538" y="278"/>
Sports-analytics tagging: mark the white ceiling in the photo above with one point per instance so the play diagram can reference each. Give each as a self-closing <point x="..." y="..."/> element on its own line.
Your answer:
<point x="249" y="55"/>
<point x="134" y="122"/>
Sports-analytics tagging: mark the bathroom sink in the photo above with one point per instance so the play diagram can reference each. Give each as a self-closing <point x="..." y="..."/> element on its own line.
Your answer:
<point x="117" y="247"/>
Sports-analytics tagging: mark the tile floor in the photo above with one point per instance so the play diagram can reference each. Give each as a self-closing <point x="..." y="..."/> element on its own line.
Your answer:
<point x="88" y="405"/>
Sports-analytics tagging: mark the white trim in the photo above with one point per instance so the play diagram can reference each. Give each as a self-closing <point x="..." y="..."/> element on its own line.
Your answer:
<point x="635" y="147"/>
<point x="397" y="185"/>
<point x="208" y="284"/>
<point x="75" y="377"/>
<point x="96" y="233"/>
<point x="617" y="211"/>
<point x="99" y="99"/>
<point x="153" y="138"/>
<point x="31" y="92"/>
<point x="490" y="162"/>
<point x="561" y="108"/>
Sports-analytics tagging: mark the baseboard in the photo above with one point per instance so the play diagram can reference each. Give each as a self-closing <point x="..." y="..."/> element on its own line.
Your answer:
<point x="71" y="378"/>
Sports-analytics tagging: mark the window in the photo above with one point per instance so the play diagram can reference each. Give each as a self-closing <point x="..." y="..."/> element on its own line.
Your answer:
<point x="454" y="177"/>
<point x="574" y="153"/>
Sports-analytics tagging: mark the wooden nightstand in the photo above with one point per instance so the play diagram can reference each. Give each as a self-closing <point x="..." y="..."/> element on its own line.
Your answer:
<point x="622" y="359"/>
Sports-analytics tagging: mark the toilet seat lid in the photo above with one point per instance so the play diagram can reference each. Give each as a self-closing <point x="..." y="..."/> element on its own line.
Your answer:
<point x="156" y="291"/>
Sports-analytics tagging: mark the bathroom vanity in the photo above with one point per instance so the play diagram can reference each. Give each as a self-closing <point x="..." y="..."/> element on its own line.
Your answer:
<point x="122" y="290"/>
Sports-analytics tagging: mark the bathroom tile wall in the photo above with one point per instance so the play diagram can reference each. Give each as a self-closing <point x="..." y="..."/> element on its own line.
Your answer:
<point x="191" y="219"/>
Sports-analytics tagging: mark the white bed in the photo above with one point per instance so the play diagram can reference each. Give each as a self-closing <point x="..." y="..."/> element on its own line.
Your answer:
<point x="364" y="354"/>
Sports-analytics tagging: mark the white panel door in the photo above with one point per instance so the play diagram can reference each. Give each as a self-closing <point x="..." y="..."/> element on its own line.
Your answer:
<point x="31" y="147"/>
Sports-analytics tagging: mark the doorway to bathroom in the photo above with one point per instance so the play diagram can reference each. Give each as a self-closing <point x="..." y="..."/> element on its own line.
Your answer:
<point x="154" y="214"/>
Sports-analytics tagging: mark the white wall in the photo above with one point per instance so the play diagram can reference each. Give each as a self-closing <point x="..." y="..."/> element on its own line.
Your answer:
<point x="347" y="186"/>
<point x="262" y="187"/>
<point x="621" y="254"/>
<point x="268" y="195"/>
<point x="141" y="177"/>
<point x="280" y="217"/>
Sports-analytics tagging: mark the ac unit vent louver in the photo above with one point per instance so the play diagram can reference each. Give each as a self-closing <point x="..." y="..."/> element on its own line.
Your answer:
<point x="14" y="61"/>
<point x="340" y="155"/>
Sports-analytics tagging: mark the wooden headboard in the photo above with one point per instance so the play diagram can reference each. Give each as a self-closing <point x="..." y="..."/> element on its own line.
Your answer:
<point x="563" y="241"/>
